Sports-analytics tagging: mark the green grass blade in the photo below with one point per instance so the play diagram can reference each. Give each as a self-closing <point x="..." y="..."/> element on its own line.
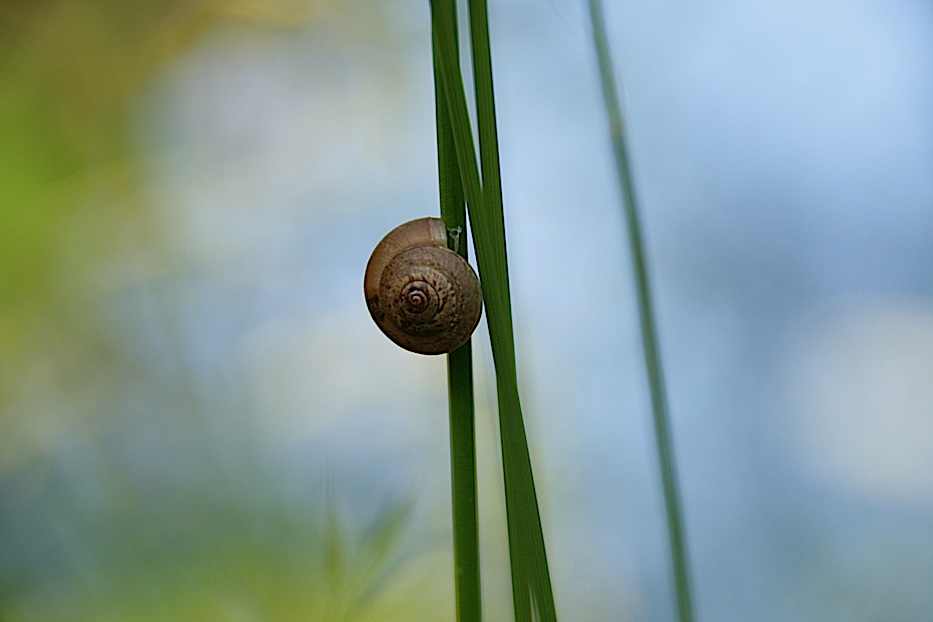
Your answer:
<point x="646" y="316"/>
<point x="532" y="594"/>
<point x="460" y="386"/>
<point x="525" y="521"/>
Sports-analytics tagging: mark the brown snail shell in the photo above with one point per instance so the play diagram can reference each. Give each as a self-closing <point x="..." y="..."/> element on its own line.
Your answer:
<point x="424" y="297"/>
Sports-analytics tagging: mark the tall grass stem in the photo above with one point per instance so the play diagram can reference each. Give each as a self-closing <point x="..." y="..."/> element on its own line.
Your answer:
<point x="676" y="536"/>
<point x="526" y="535"/>
<point x="459" y="381"/>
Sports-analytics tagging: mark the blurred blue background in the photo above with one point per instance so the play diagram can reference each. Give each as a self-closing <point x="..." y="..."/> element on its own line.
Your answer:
<point x="199" y="421"/>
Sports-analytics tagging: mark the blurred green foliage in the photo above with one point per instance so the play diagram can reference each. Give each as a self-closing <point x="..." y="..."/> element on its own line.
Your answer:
<point x="68" y="195"/>
<point x="109" y="510"/>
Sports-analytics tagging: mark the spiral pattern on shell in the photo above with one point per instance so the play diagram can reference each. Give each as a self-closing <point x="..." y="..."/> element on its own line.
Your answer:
<point x="424" y="297"/>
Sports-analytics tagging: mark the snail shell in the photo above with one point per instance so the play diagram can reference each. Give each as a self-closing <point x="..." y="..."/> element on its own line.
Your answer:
<point x="424" y="297"/>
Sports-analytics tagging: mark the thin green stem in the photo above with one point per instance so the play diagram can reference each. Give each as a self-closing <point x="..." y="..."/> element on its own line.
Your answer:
<point x="646" y="315"/>
<point x="459" y="379"/>
<point x="463" y="485"/>
<point x="526" y="536"/>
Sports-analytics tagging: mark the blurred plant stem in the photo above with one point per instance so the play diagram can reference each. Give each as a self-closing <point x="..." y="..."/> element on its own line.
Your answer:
<point x="652" y="354"/>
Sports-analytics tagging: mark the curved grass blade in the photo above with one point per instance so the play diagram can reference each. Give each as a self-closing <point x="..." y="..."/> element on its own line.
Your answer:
<point x="646" y="315"/>
<point x="531" y="585"/>
<point x="514" y="443"/>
